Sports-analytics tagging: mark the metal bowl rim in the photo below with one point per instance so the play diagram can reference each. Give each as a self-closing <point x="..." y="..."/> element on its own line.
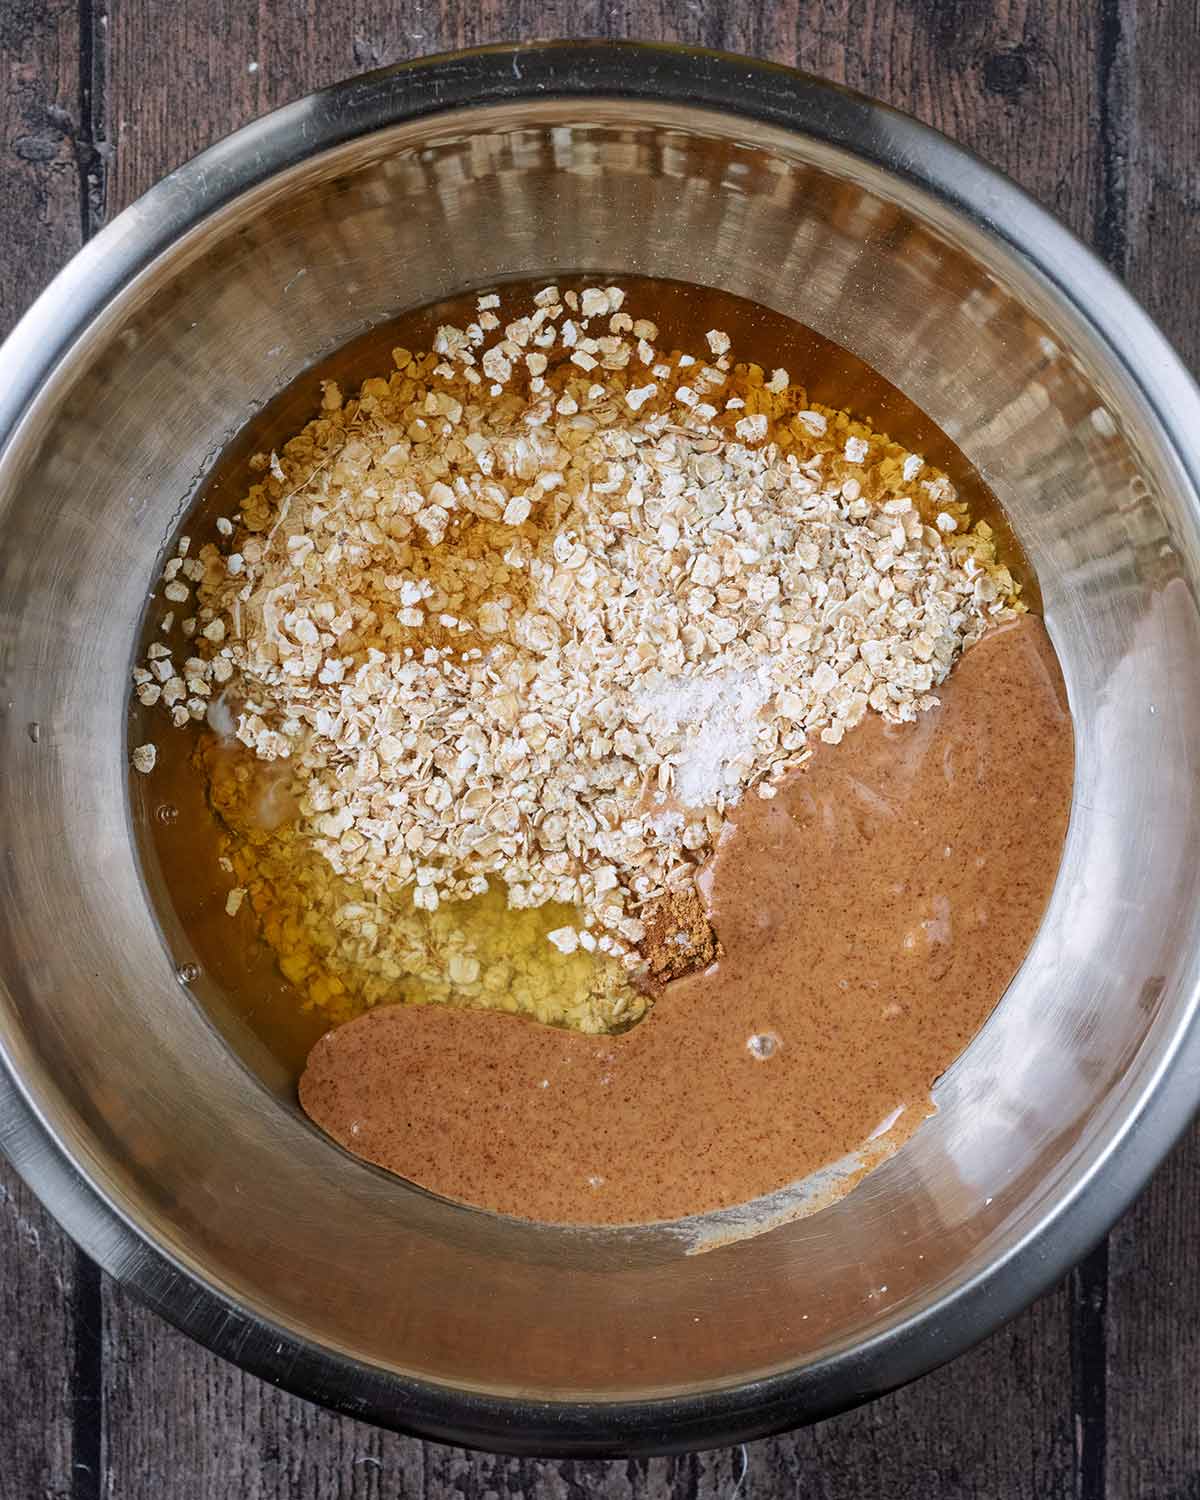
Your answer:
<point x="733" y="87"/>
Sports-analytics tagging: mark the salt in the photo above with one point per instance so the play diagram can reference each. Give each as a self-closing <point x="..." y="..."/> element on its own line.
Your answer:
<point x="716" y="717"/>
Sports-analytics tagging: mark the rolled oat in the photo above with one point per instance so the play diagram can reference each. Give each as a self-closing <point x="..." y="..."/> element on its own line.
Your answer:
<point x="540" y="630"/>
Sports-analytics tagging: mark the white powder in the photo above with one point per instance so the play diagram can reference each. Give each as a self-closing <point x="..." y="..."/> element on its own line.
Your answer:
<point x="715" y="718"/>
<point x="222" y="718"/>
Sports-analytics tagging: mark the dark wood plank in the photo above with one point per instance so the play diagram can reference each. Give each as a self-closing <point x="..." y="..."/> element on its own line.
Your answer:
<point x="181" y="1422"/>
<point x="1154" y="1337"/>
<point x="174" y="1411"/>
<point x="1160" y="52"/>
<point x="39" y="1267"/>
<point x="38" y="1284"/>
<point x="1014" y="81"/>
<point x="1017" y="81"/>
<point x="1154" y="1327"/>
<point x="39" y="177"/>
<point x="995" y="1423"/>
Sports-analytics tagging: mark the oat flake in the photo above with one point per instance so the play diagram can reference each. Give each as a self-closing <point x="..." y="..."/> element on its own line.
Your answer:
<point x="539" y="630"/>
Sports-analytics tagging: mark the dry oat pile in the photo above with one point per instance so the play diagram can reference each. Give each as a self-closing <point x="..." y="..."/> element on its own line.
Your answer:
<point x="537" y="608"/>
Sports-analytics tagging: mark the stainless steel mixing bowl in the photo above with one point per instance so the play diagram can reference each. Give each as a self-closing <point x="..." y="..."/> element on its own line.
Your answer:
<point x="122" y="1104"/>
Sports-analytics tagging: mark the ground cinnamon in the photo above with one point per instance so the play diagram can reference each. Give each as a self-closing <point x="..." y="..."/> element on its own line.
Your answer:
<point x="679" y="937"/>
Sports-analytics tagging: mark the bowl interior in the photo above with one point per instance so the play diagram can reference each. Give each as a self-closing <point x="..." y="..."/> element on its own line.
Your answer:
<point x="143" y="1091"/>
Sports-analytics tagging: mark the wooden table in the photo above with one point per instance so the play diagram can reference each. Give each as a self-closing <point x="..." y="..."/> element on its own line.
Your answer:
<point x="1095" y="1391"/>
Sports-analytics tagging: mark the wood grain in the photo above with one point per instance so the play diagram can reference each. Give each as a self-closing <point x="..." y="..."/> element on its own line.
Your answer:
<point x="933" y="1439"/>
<point x="1013" y="81"/>
<point x="39" y="146"/>
<point x="40" y="226"/>
<point x="1161" y="171"/>
<point x="1154" y="1337"/>
<point x="1093" y="1392"/>
<point x="37" y="1306"/>
<point x="1016" y="81"/>
<point x="173" y="1409"/>
<point x="1154" y="1292"/>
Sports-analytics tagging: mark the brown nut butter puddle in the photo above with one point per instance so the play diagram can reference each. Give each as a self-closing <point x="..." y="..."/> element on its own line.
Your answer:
<point x="871" y="916"/>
